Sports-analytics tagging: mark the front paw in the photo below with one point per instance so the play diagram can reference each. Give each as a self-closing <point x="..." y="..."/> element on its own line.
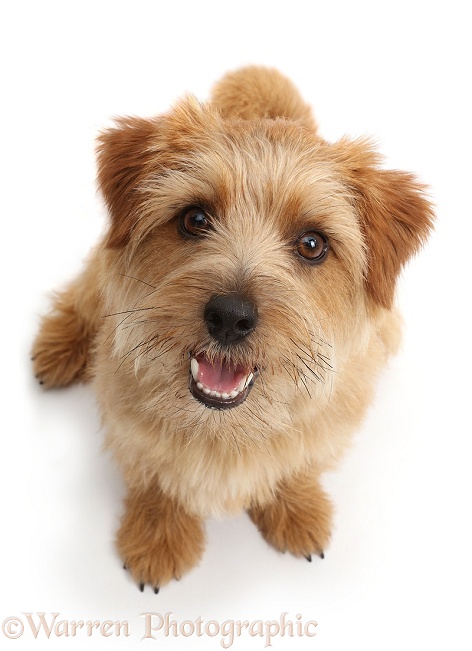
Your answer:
<point x="298" y="520"/>
<point x="158" y="541"/>
<point x="59" y="352"/>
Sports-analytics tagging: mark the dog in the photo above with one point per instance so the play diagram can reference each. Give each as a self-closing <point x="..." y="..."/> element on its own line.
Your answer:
<point x="235" y="314"/>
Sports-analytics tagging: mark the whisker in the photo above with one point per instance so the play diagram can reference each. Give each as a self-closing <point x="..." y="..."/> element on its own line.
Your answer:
<point x="266" y="393"/>
<point x="309" y="368"/>
<point x="325" y="342"/>
<point x="305" y="352"/>
<point x="304" y="379"/>
<point x="143" y="343"/>
<point x="138" y="309"/>
<point x="115" y="329"/>
<point x="257" y="416"/>
<point x="137" y="279"/>
<point x="325" y="360"/>
<point x="162" y="352"/>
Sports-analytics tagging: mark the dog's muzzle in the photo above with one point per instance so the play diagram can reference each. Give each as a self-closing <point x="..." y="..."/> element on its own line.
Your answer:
<point x="218" y="383"/>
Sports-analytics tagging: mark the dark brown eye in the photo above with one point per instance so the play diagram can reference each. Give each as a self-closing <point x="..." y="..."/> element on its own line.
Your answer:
<point x="194" y="221"/>
<point x="312" y="247"/>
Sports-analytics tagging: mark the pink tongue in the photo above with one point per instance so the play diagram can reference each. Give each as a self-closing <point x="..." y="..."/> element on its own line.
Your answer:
<point x="218" y="376"/>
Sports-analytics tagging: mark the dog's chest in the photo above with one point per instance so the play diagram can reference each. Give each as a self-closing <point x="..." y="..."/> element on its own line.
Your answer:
<point x="212" y="481"/>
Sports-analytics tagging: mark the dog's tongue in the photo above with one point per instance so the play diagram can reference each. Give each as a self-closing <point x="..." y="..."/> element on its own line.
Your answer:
<point x="218" y="376"/>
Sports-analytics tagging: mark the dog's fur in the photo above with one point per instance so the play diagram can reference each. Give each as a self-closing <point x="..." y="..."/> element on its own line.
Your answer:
<point x="250" y="158"/>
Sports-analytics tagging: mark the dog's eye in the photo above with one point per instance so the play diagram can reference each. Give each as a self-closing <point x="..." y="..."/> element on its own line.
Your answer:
<point x="194" y="221"/>
<point x="312" y="247"/>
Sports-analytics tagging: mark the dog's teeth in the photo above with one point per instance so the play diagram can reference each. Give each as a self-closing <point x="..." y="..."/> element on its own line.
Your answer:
<point x="241" y="385"/>
<point x="224" y="395"/>
<point x="194" y="368"/>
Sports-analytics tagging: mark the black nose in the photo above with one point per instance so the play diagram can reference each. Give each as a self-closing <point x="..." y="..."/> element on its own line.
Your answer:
<point x="229" y="318"/>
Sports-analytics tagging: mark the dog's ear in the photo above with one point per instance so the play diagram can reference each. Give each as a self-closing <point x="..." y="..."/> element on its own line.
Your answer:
<point x="395" y="214"/>
<point x="124" y="156"/>
<point x="137" y="149"/>
<point x="259" y="92"/>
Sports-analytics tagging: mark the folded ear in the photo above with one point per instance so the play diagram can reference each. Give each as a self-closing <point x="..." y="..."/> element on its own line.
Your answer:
<point x="124" y="157"/>
<point x="259" y="92"/>
<point x="139" y="149"/>
<point x="395" y="214"/>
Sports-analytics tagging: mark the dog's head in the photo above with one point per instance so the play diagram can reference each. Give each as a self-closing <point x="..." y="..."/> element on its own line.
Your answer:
<point x="248" y="257"/>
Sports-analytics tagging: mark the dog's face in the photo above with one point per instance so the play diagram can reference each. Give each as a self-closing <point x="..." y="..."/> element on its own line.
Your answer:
<point x="245" y="260"/>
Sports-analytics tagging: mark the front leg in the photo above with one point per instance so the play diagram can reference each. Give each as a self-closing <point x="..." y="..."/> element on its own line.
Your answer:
<point x="158" y="540"/>
<point x="62" y="350"/>
<point x="298" y="519"/>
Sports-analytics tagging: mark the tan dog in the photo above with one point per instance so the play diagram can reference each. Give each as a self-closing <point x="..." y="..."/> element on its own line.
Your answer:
<point x="235" y="315"/>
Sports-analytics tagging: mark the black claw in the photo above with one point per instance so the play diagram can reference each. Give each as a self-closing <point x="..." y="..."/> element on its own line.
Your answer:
<point x="141" y="587"/>
<point x="125" y="567"/>
<point x="308" y="558"/>
<point x="322" y="555"/>
<point x="156" y="590"/>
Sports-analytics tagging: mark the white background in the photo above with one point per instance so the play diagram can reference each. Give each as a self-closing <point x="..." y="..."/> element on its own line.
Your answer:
<point x="398" y="572"/>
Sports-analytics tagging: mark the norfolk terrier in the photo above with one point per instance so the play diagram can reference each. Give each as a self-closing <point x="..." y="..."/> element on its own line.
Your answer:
<point x="234" y="316"/>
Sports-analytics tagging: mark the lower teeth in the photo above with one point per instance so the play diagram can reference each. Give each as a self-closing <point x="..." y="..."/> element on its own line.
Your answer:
<point x="217" y="394"/>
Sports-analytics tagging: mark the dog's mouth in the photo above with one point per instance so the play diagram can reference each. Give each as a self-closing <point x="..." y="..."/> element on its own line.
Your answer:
<point x="218" y="384"/>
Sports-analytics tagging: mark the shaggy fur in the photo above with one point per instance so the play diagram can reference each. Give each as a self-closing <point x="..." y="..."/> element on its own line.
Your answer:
<point x="251" y="162"/>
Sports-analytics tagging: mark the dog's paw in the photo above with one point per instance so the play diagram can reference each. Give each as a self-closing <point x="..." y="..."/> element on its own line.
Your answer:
<point x="158" y="541"/>
<point x="60" y="352"/>
<point x="55" y="366"/>
<point x="157" y="564"/>
<point x="297" y="521"/>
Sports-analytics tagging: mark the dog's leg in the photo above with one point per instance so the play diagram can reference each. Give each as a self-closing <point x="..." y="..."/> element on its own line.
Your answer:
<point x="62" y="348"/>
<point x="298" y="520"/>
<point x="61" y="351"/>
<point x="158" y="540"/>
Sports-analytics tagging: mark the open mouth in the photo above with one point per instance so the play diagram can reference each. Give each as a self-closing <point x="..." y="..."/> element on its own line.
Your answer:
<point x="218" y="384"/>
